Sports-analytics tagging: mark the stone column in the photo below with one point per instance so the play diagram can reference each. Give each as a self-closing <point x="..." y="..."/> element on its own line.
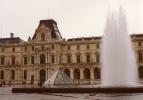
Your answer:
<point x="6" y="75"/>
<point x="71" y="74"/>
<point x="46" y="73"/>
<point x="17" y="75"/>
<point x="92" y="75"/>
<point x="36" y="74"/>
<point x="81" y="74"/>
<point x="47" y="60"/>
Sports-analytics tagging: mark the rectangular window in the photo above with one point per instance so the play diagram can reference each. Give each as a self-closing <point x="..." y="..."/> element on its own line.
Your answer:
<point x="97" y="45"/>
<point x="42" y="47"/>
<point x="88" y="58"/>
<point x="78" y="58"/>
<point x="53" y="47"/>
<point x="25" y="60"/>
<point x="139" y="43"/>
<point x="32" y="48"/>
<point x="87" y="47"/>
<point x="78" y="47"/>
<point x="53" y="59"/>
<point x="98" y="58"/>
<point x="140" y="57"/>
<point x="25" y="49"/>
<point x="2" y="60"/>
<point x="13" y="49"/>
<point x="25" y="74"/>
<point x="68" y="47"/>
<point x="13" y="60"/>
<point x="32" y="59"/>
<point x="2" y="49"/>
<point x="68" y="59"/>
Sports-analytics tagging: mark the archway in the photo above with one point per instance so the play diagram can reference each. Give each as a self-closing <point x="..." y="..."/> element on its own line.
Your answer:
<point x="32" y="79"/>
<point x="97" y="73"/>
<point x="42" y="76"/>
<point x="76" y="74"/>
<point x="140" y="71"/>
<point x="86" y="73"/>
<point x="67" y="71"/>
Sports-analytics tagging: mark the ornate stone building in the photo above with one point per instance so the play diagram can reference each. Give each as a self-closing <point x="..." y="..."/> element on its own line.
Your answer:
<point x="35" y="60"/>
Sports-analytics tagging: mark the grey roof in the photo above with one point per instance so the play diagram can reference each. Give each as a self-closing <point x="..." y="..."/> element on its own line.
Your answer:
<point x="11" y="40"/>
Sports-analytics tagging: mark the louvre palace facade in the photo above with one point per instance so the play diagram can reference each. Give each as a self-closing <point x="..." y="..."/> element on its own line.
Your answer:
<point x="35" y="60"/>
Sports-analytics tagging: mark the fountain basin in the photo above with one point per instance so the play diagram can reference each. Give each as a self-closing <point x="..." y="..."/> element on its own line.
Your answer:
<point x="80" y="90"/>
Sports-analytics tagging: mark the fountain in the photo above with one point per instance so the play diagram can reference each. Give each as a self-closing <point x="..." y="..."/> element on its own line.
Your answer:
<point x="119" y="68"/>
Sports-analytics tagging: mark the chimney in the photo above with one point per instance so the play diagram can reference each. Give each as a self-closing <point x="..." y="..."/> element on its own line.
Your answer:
<point x="11" y="35"/>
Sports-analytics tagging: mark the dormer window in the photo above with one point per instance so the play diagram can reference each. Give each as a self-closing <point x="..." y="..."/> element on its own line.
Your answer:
<point x="43" y="37"/>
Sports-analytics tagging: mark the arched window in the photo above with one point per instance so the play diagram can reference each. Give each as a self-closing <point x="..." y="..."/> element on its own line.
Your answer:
<point x="97" y="73"/>
<point x="12" y="74"/>
<point x="140" y="71"/>
<point x="67" y="71"/>
<point x="86" y="73"/>
<point x="42" y="59"/>
<point x="43" y="37"/>
<point x="25" y="74"/>
<point x="76" y="74"/>
<point x="2" y="75"/>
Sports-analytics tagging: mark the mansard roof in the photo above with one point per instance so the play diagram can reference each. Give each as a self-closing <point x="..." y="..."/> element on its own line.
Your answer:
<point x="84" y="38"/>
<point x="138" y="35"/>
<point x="52" y="24"/>
<point x="11" y="40"/>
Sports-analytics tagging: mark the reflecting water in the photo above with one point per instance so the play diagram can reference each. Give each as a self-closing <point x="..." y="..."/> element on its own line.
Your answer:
<point x="5" y="94"/>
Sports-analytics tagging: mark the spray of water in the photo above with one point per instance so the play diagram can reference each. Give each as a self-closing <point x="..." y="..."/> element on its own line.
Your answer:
<point x="119" y="66"/>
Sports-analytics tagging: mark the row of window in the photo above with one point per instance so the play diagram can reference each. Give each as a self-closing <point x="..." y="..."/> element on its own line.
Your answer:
<point x="43" y="59"/>
<point x="78" y="58"/>
<point x="25" y="48"/>
<point x="13" y="60"/>
<point x="76" y="73"/>
<point x="2" y="61"/>
<point x="32" y="59"/>
<point x="12" y="75"/>
<point x="52" y="47"/>
<point x="87" y="46"/>
<point x="86" y="73"/>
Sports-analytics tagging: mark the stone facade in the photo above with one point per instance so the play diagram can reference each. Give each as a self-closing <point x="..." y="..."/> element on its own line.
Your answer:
<point x="37" y="59"/>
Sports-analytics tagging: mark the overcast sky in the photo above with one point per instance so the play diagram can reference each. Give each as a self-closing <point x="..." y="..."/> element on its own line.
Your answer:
<point x="75" y="18"/>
